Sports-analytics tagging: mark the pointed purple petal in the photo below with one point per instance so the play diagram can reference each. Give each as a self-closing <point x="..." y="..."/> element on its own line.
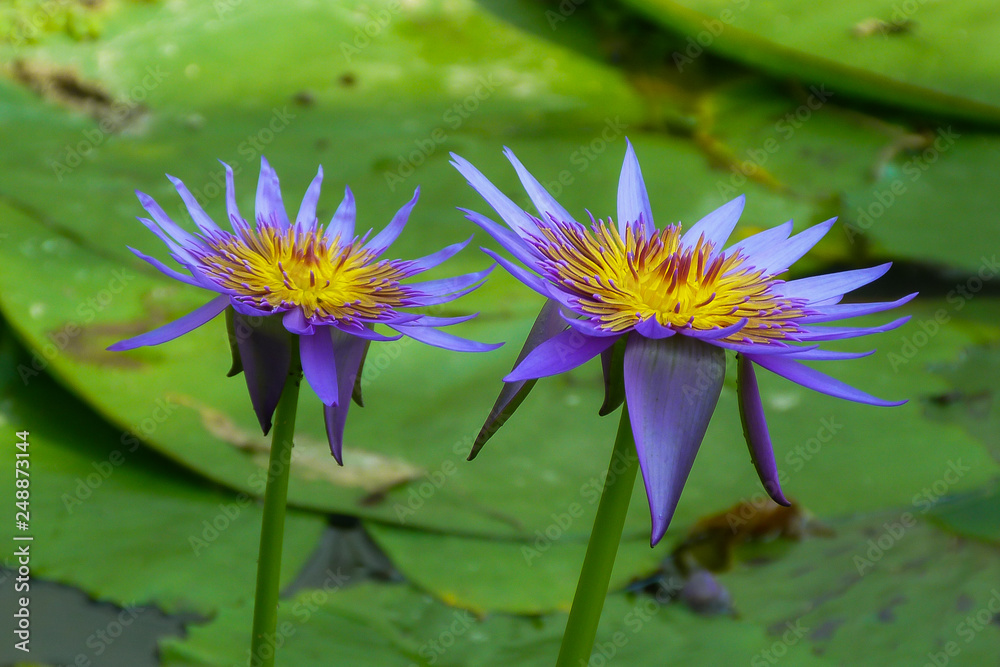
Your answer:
<point x="447" y="341"/>
<point x="318" y="365"/>
<point x="175" y="329"/>
<point x="563" y="352"/>
<point x="713" y="334"/>
<point x="270" y="208"/>
<point x="751" y="245"/>
<point x="761" y="348"/>
<point x="671" y="387"/>
<point x="546" y="325"/>
<point x="633" y="200"/>
<point x="349" y="351"/>
<point x="828" y="355"/>
<point x="651" y="328"/>
<point x="387" y="236"/>
<point x="507" y="239"/>
<point x="817" y="381"/>
<point x="365" y="333"/>
<point x="204" y="222"/>
<point x="415" y="266"/>
<point x="231" y="209"/>
<point x="452" y="285"/>
<point x="511" y="213"/>
<point x="716" y="226"/>
<point x="342" y="223"/>
<point x="430" y="300"/>
<point x="540" y="197"/>
<point x="296" y="322"/>
<point x="306" y="218"/>
<point x="265" y="350"/>
<point x="846" y="310"/>
<point x="820" y="288"/>
<point x="177" y="252"/>
<point x="839" y="333"/>
<point x="250" y="311"/>
<point x="166" y="270"/>
<point x="755" y="430"/>
<point x="182" y="237"/>
<point x="587" y="327"/>
<point x="431" y="321"/>
<point x="782" y="255"/>
<point x="536" y="283"/>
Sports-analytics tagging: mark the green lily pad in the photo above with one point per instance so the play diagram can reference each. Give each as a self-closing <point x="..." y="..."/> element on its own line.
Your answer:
<point x="972" y="400"/>
<point x="934" y="203"/>
<point x="975" y="514"/>
<point x="70" y="287"/>
<point x="888" y="588"/>
<point x="533" y="577"/>
<point x="934" y="57"/>
<point x="120" y="522"/>
<point x="395" y="625"/>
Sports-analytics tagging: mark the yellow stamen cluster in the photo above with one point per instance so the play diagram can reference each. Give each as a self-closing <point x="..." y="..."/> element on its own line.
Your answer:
<point x="291" y="268"/>
<point x="623" y="281"/>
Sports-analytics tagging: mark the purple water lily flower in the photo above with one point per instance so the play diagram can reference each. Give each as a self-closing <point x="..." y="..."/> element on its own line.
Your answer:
<point x="326" y="285"/>
<point x="661" y="306"/>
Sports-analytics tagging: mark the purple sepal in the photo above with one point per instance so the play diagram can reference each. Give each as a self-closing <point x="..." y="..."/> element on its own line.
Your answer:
<point x="349" y="352"/>
<point x="547" y="324"/>
<point x="672" y="387"/>
<point x="175" y="329"/>
<point x="265" y="351"/>
<point x="755" y="429"/>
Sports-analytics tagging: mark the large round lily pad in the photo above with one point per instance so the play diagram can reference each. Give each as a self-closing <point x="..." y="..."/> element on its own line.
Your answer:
<point x="937" y="57"/>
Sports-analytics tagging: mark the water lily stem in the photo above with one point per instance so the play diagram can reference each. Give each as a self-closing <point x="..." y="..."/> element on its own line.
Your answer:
<point x="265" y="611"/>
<point x="592" y="589"/>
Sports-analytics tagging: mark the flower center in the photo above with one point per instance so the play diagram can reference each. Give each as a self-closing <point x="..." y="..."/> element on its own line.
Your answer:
<point x="276" y="268"/>
<point x="624" y="281"/>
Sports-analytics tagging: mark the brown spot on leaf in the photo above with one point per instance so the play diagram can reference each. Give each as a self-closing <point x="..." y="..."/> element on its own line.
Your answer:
<point x="65" y="87"/>
<point x="887" y="614"/>
<point x="311" y="459"/>
<point x="712" y="540"/>
<point x="826" y="630"/>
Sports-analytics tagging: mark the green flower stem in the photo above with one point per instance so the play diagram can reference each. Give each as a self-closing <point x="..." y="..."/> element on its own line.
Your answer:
<point x="592" y="589"/>
<point x="272" y="532"/>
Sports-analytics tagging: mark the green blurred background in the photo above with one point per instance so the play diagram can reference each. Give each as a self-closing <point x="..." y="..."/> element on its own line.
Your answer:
<point x="145" y="466"/>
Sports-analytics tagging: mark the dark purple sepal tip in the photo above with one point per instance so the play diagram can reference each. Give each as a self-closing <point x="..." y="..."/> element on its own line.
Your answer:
<point x="547" y="324"/>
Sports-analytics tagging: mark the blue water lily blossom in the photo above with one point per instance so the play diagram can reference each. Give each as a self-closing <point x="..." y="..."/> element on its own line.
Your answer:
<point x="661" y="306"/>
<point x="277" y="278"/>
